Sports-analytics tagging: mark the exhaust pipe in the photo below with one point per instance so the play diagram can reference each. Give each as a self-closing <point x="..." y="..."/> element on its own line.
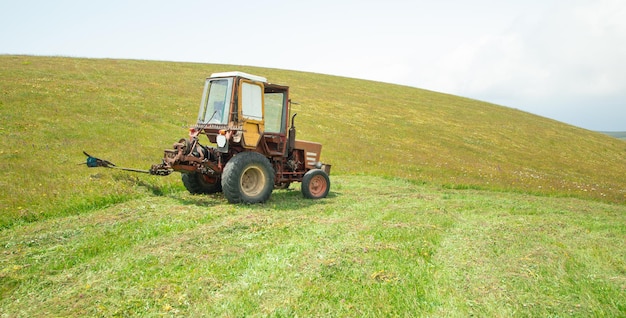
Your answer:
<point x="291" y="141"/>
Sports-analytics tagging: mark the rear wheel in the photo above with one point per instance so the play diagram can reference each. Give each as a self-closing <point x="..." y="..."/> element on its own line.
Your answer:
<point x="315" y="184"/>
<point x="248" y="178"/>
<point x="195" y="183"/>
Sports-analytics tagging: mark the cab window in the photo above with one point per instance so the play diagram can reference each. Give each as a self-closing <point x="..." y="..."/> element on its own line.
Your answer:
<point x="274" y="112"/>
<point x="251" y="101"/>
<point x="215" y="105"/>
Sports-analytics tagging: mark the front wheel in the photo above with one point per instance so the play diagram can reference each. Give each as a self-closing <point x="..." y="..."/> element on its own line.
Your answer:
<point x="315" y="184"/>
<point x="248" y="178"/>
<point x="196" y="183"/>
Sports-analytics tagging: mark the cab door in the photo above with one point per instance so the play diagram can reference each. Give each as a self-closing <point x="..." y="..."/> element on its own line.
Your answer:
<point x="251" y="108"/>
<point x="274" y="140"/>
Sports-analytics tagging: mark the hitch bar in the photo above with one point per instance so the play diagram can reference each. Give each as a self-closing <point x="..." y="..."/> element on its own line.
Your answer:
<point x="93" y="162"/>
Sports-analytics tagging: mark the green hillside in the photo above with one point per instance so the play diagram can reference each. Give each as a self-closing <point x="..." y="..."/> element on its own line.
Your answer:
<point x="128" y="111"/>
<point x="440" y="206"/>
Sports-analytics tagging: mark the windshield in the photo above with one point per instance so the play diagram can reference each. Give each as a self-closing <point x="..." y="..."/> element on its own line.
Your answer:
<point x="215" y="104"/>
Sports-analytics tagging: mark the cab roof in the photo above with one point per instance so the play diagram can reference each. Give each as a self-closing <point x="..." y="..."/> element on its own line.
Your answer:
<point x="240" y="74"/>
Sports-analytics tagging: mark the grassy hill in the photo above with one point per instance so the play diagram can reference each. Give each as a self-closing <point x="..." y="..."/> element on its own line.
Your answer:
<point x="129" y="111"/>
<point x="440" y="205"/>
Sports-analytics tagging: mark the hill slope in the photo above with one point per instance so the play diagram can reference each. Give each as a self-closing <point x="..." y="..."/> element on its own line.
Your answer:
<point x="52" y="108"/>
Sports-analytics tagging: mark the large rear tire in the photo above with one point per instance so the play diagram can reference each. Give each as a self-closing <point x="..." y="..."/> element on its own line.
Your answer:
<point x="196" y="184"/>
<point x="248" y="178"/>
<point x="315" y="184"/>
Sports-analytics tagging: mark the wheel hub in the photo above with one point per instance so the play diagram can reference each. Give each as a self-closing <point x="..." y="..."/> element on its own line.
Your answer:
<point x="318" y="185"/>
<point x="252" y="181"/>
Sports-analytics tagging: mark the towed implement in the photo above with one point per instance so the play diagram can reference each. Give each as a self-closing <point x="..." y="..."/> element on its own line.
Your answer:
<point x="253" y="149"/>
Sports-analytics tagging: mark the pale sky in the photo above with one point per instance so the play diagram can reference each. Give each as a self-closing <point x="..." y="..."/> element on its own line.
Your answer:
<point x="562" y="59"/>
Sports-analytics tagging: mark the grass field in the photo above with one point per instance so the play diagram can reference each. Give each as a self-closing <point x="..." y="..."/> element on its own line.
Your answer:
<point x="375" y="247"/>
<point x="439" y="205"/>
<point x="128" y="111"/>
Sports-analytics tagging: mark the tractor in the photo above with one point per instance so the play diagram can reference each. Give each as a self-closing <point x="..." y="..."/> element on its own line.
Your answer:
<point x="248" y="120"/>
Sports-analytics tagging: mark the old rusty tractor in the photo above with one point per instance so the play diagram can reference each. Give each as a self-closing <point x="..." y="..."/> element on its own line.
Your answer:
<point x="248" y="120"/>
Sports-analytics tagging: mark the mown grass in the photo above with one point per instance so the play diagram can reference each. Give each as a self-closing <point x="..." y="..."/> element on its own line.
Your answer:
<point x="52" y="108"/>
<point x="375" y="247"/>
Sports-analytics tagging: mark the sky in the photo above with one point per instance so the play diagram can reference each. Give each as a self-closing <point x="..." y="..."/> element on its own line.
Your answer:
<point x="561" y="59"/>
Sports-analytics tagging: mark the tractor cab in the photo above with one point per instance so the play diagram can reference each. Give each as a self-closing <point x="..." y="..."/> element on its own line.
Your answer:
<point x="245" y="109"/>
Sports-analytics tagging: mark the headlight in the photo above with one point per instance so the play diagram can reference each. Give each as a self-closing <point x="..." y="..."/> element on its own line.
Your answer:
<point x="221" y="141"/>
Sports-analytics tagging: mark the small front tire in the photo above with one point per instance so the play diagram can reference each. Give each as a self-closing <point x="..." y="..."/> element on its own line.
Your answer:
<point x="315" y="184"/>
<point x="195" y="183"/>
